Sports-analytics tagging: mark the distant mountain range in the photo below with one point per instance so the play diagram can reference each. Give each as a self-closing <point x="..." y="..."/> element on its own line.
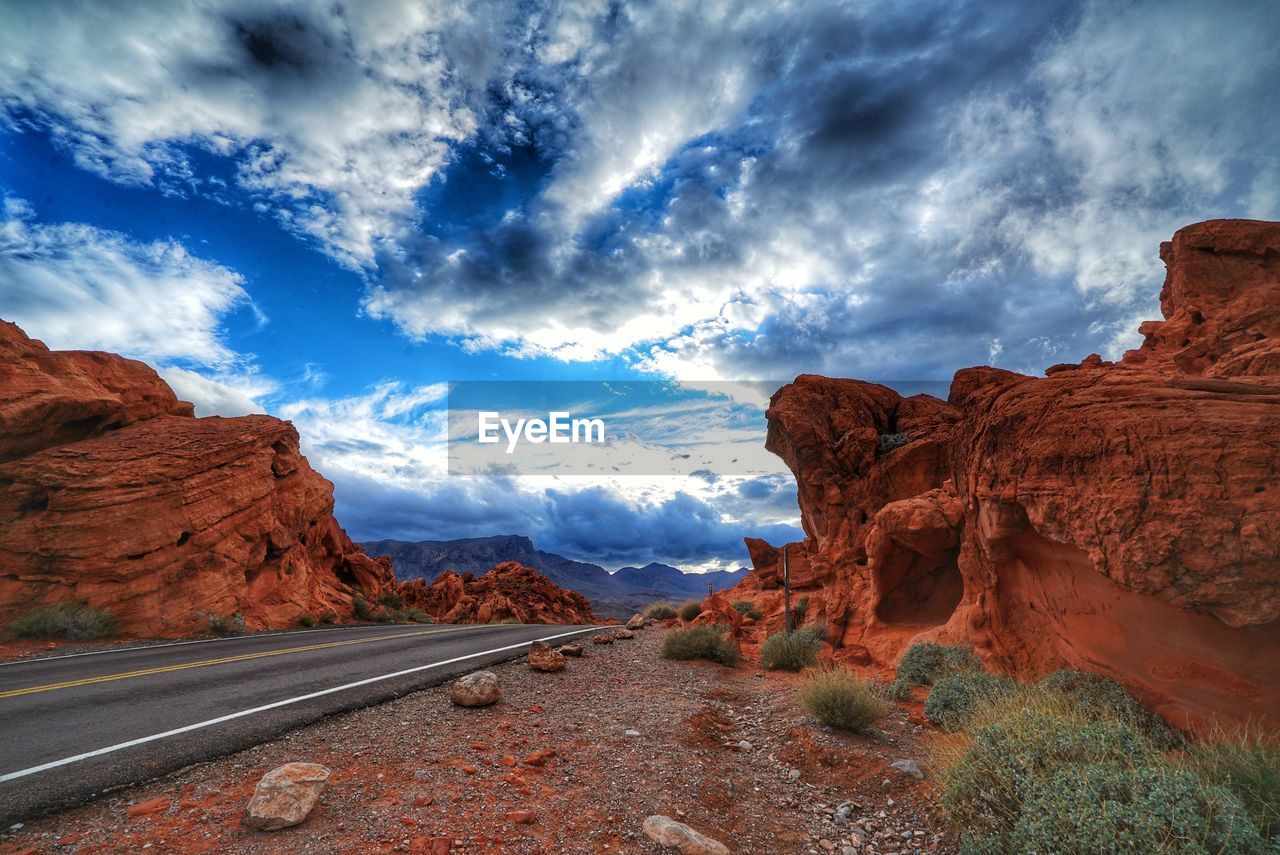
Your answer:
<point x="611" y="594"/>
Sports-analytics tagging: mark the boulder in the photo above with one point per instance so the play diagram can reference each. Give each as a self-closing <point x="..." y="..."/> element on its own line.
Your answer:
<point x="571" y="649"/>
<point x="623" y="633"/>
<point x="285" y="796"/>
<point x="636" y="622"/>
<point x="510" y="591"/>
<point x="543" y="657"/>
<point x="477" y="689"/>
<point x="1118" y="517"/>
<point x="113" y="493"/>
<point x="665" y="831"/>
<point x="602" y="639"/>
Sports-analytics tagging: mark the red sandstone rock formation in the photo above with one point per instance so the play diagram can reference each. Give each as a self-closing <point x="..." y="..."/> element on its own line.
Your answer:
<point x="113" y="493"/>
<point x="1121" y="518"/>
<point x="509" y="591"/>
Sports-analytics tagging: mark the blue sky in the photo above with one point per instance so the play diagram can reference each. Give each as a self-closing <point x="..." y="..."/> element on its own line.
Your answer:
<point x="326" y="211"/>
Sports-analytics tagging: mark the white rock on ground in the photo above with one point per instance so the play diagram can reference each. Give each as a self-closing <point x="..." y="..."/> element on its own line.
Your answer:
<point x="909" y="767"/>
<point x="285" y="795"/>
<point x="665" y="831"/>
<point x="477" y="689"/>
<point x="623" y="633"/>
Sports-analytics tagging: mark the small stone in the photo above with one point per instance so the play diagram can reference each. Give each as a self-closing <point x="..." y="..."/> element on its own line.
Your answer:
<point x="665" y="831"/>
<point x="477" y="689"/>
<point x="603" y="639"/>
<point x="827" y="845"/>
<point x="521" y="817"/>
<point x="744" y="745"/>
<point x="632" y="734"/>
<point x="285" y="796"/>
<point x="623" y="633"/>
<point x="543" y="657"/>
<point x="571" y="649"/>
<point x="636" y="622"/>
<point x="793" y="775"/>
<point x="909" y="767"/>
<point x="886" y="785"/>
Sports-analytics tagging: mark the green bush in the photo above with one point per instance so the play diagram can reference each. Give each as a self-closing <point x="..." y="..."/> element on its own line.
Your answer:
<point x="381" y="616"/>
<point x="799" y="611"/>
<point x="362" y="606"/>
<point x="746" y="608"/>
<point x="1246" y="762"/>
<point x="76" y="621"/>
<point x="701" y="642"/>
<point x="660" y="611"/>
<point x="392" y="601"/>
<point x="1101" y="697"/>
<point x="690" y="610"/>
<point x="953" y="699"/>
<point x="792" y="652"/>
<point x="1038" y="775"/>
<point x="419" y="616"/>
<point x="890" y="441"/>
<point x="328" y="616"/>
<point x="306" y="619"/>
<point x="835" y="697"/>
<point x="924" y="664"/>
<point x="226" y="624"/>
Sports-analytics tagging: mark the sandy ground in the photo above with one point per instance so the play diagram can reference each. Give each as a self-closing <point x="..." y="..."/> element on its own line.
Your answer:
<point x="570" y="762"/>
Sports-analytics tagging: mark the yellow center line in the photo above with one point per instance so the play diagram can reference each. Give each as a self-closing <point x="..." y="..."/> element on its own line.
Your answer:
<point x="13" y="693"/>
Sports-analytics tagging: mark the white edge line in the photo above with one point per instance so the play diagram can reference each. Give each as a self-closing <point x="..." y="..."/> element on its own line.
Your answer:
<point x="30" y="660"/>
<point x="66" y="761"/>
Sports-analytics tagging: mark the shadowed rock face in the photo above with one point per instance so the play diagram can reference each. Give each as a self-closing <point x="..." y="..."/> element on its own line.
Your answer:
<point x="1122" y="518"/>
<point x="113" y="493"/>
<point x="508" y="592"/>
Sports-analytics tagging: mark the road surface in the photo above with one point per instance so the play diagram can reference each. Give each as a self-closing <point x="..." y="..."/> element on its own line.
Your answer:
<point x="74" y="726"/>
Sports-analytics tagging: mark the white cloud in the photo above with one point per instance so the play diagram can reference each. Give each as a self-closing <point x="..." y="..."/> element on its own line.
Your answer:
<point x="223" y="394"/>
<point x="76" y="286"/>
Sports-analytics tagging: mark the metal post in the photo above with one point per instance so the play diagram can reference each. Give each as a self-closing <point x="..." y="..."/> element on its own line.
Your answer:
<point x="709" y="589"/>
<point x="786" y="586"/>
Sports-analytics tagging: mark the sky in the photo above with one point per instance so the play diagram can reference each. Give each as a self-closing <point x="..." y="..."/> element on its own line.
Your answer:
<point x="330" y="211"/>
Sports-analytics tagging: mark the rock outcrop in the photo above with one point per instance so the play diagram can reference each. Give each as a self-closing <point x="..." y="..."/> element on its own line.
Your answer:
<point x="113" y="493"/>
<point x="1114" y="517"/>
<point x="508" y="592"/>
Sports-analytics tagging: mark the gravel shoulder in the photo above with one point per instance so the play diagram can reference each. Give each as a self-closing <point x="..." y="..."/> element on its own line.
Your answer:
<point x="568" y="762"/>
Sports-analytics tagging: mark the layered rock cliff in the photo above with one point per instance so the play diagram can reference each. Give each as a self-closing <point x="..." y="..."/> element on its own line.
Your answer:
<point x="112" y="492"/>
<point x="1122" y="518"/>
<point x="508" y="592"/>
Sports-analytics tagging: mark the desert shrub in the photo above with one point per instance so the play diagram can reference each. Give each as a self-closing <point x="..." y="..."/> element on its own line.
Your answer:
<point x="77" y="621"/>
<point x="307" y="619"/>
<point x="328" y="616"/>
<point x="660" y="611"/>
<point x="953" y="699"/>
<point x="890" y="441"/>
<point x="1101" y="697"/>
<point x="799" y="611"/>
<point x="1038" y="774"/>
<point x="1139" y="810"/>
<point x="1245" y="761"/>
<point x="924" y="664"/>
<point x="364" y="610"/>
<point x="419" y="616"/>
<point x="747" y="608"/>
<point x="225" y="624"/>
<point x="701" y="642"/>
<point x="837" y="698"/>
<point x="381" y="616"/>
<point x="792" y="652"/>
<point x="391" y="601"/>
<point x="690" y="610"/>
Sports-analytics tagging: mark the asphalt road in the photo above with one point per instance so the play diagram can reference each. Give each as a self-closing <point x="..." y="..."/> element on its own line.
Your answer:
<point x="75" y="726"/>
